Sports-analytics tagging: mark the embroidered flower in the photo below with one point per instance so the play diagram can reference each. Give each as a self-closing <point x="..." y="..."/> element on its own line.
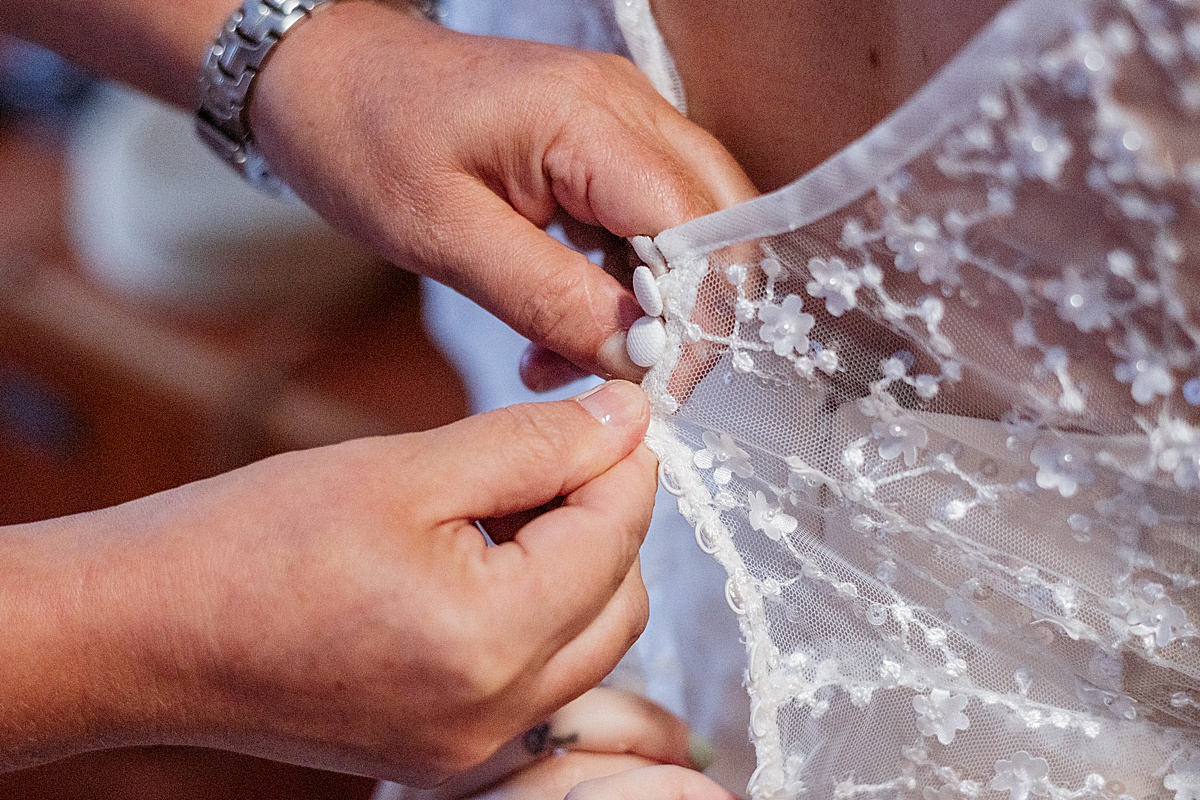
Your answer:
<point x="793" y="770"/>
<point x="1177" y="447"/>
<point x="967" y="616"/>
<point x="1021" y="776"/>
<point x="835" y="282"/>
<point x="785" y="326"/>
<point x="1037" y="147"/>
<point x="1160" y="619"/>
<point x="1187" y="469"/>
<point x="1184" y="779"/>
<point x="769" y="518"/>
<point x="900" y="438"/>
<point x="1147" y="378"/>
<point x="854" y="235"/>
<point x="922" y="248"/>
<point x="1082" y="302"/>
<point x="722" y="455"/>
<point x="1061" y="465"/>
<point x="1017" y="428"/>
<point x="941" y="714"/>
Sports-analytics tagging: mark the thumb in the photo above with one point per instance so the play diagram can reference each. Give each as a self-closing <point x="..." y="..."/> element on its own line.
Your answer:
<point x="524" y="456"/>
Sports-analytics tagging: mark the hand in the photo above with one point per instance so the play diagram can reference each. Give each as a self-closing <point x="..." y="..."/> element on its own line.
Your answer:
<point x="609" y="744"/>
<point x="338" y="607"/>
<point x="602" y="721"/>
<point x="446" y="153"/>
<point x="662" y="782"/>
<point x="608" y="776"/>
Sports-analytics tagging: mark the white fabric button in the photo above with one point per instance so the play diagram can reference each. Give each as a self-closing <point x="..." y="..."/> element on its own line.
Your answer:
<point x="645" y="289"/>
<point x="648" y="252"/>
<point x="646" y="341"/>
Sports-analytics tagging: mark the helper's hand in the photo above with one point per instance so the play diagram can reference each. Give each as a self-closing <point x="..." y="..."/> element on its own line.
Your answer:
<point x="447" y="153"/>
<point x="662" y="782"/>
<point x="338" y="607"/>
<point x="611" y="745"/>
<point x="607" y="776"/>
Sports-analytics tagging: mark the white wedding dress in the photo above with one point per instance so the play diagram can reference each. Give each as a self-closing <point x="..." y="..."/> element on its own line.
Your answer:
<point x="933" y="407"/>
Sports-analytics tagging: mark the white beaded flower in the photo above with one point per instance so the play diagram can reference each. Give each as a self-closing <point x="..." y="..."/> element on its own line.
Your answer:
<point x="722" y="455"/>
<point x="1184" y="779"/>
<point x="785" y="327"/>
<point x="835" y="282"/>
<point x="900" y="438"/>
<point x="941" y="714"/>
<point x="1160" y="619"/>
<point x="767" y="517"/>
<point x="921" y="247"/>
<point x="1061" y="465"/>
<point x="968" y="616"/>
<point x="1021" y="776"/>
<point x="1037" y="146"/>
<point x="1147" y="378"/>
<point x="1186" y="471"/>
<point x="1080" y="301"/>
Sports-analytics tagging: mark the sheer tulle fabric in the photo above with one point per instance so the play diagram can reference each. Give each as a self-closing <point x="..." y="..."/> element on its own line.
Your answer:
<point x="934" y="407"/>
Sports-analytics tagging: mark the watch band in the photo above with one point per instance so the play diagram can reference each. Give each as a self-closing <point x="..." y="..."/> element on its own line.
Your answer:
<point x="227" y="78"/>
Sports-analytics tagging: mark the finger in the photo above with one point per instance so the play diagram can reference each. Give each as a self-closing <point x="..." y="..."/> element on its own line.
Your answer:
<point x="603" y="720"/>
<point x="517" y="458"/>
<point x="665" y="782"/>
<point x="505" y="529"/>
<point x="552" y="778"/>
<point x="540" y="287"/>
<point x="642" y="178"/>
<point x="709" y="161"/>
<point x="569" y="590"/>
<point x="606" y="720"/>
<point x="572" y="581"/>
<point x="581" y="663"/>
<point x="544" y="370"/>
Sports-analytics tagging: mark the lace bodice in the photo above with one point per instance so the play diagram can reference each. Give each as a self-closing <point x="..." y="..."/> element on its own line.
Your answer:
<point x="933" y="406"/>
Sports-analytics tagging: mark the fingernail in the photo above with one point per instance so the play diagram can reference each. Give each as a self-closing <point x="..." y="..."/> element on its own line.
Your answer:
<point x="615" y="404"/>
<point x="614" y="359"/>
<point x="543" y="371"/>
<point x="701" y="752"/>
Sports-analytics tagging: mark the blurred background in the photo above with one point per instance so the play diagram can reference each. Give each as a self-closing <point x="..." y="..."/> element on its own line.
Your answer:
<point x="160" y="323"/>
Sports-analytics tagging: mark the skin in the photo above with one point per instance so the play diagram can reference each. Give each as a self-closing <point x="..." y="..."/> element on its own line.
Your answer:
<point x="443" y="152"/>
<point x="353" y="112"/>
<point x="785" y="84"/>
<point x="319" y="608"/>
<point x="337" y="608"/>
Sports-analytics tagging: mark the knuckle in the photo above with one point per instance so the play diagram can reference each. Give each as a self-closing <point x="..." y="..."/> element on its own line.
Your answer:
<point x="534" y="438"/>
<point x="552" y="313"/>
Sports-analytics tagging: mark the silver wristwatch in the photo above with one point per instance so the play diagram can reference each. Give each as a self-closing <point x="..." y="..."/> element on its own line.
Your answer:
<point x="227" y="78"/>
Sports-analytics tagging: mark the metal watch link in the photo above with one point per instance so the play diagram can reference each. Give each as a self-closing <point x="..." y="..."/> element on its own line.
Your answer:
<point x="227" y="77"/>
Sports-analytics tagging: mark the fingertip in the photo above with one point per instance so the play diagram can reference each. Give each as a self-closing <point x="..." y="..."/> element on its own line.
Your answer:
<point x="617" y="404"/>
<point x="543" y="370"/>
<point x="613" y="358"/>
<point x="664" y="782"/>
